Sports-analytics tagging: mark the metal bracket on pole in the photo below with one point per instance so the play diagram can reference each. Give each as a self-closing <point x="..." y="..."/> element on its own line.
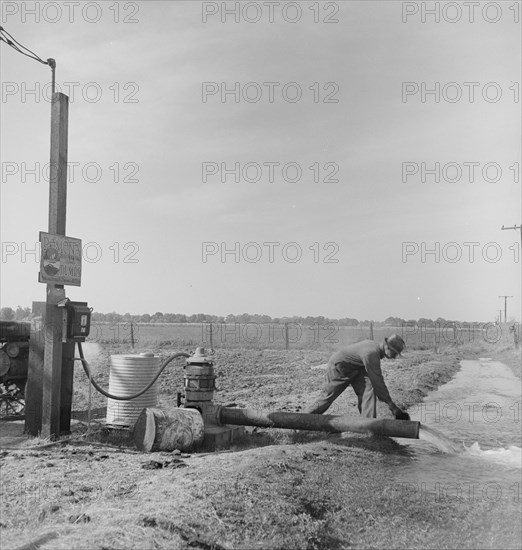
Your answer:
<point x="52" y="63"/>
<point x="63" y="304"/>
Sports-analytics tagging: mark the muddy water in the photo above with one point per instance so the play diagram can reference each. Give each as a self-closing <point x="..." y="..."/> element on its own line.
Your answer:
<point x="471" y="437"/>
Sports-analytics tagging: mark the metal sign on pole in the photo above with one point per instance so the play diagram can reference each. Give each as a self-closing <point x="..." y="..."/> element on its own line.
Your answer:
<point x="61" y="260"/>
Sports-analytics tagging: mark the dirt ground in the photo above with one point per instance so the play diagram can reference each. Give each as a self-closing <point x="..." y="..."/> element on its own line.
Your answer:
<point x="273" y="489"/>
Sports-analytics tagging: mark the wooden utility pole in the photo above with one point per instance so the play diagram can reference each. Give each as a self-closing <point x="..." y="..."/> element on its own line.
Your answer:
<point x="515" y="227"/>
<point x="499" y="316"/>
<point x="52" y="371"/>
<point x="505" y="306"/>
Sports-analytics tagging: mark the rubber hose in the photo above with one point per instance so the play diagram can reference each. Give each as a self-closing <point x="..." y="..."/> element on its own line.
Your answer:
<point x="127" y="397"/>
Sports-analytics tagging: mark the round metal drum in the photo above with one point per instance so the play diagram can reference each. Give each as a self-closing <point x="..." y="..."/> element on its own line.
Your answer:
<point x="129" y="374"/>
<point x="5" y="362"/>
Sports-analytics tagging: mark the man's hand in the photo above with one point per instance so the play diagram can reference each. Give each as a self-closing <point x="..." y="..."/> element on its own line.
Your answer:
<point x="402" y="415"/>
<point x="398" y="413"/>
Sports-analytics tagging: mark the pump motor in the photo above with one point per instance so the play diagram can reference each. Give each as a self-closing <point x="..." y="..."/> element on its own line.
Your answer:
<point x="199" y="380"/>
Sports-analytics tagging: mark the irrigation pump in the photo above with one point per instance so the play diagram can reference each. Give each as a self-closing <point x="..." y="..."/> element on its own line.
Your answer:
<point x="202" y="423"/>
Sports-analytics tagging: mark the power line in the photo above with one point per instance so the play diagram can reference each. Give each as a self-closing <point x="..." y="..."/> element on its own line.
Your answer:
<point x="10" y="40"/>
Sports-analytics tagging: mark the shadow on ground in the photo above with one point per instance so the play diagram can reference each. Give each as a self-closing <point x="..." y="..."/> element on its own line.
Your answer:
<point x="264" y="438"/>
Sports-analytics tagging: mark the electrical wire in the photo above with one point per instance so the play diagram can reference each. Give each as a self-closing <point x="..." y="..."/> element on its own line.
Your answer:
<point x="10" y="40"/>
<point x="87" y="370"/>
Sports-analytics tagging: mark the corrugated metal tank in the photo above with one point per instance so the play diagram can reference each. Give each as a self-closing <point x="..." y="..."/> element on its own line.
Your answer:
<point x="128" y="375"/>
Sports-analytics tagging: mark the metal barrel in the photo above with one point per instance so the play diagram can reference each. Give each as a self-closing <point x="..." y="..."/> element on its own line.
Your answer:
<point x="128" y="375"/>
<point x="319" y="422"/>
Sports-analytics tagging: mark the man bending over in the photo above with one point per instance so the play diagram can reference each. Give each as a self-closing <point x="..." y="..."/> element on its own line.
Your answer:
<point x="359" y="366"/>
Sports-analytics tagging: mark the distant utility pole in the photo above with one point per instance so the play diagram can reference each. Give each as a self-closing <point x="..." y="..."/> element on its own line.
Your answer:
<point x="499" y="316"/>
<point x="505" y="306"/>
<point x="515" y="227"/>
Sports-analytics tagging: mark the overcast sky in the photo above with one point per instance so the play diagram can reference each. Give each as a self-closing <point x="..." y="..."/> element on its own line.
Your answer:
<point x="147" y="111"/>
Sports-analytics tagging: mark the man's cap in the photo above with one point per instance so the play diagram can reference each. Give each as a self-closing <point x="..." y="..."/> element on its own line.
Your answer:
<point x="396" y="343"/>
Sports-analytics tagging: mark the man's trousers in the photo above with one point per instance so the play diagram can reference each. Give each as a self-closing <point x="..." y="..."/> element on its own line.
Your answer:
<point x="338" y="377"/>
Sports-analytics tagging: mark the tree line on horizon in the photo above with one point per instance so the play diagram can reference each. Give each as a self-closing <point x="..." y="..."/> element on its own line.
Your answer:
<point x="24" y="313"/>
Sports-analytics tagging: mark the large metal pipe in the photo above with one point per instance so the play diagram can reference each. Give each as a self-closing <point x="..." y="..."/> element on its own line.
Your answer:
<point x="319" y="422"/>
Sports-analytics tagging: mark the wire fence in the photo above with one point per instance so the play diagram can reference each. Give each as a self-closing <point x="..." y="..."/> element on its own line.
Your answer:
<point x="297" y="336"/>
